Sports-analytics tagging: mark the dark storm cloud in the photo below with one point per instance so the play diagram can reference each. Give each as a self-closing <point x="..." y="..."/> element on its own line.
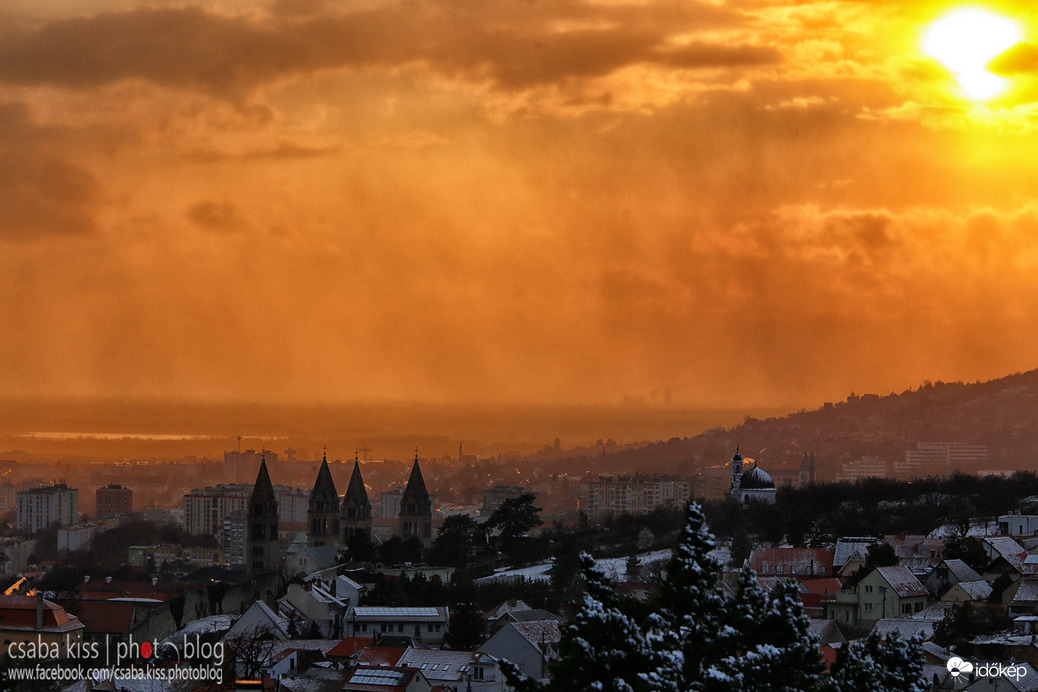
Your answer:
<point x="216" y="216"/>
<point x="41" y="193"/>
<point x="513" y="45"/>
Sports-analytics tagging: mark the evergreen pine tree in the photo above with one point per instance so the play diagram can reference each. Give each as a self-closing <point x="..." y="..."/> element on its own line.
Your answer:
<point x="683" y="633"/>
<point x="604" y="649"/>
<point x="894" y="665"/>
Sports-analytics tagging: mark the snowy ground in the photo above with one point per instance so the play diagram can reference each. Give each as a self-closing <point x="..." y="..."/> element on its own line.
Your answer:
<point x="614" y="567"/>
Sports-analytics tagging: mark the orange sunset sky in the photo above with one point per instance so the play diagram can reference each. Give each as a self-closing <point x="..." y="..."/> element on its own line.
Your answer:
<point x="570" y="201"/>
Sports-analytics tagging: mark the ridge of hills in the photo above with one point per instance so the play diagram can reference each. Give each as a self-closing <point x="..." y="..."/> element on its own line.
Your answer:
<point x="1001" y="414"/>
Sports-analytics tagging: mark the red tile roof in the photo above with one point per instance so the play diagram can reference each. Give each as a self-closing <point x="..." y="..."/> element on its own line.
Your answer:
<point x="380" y="656"/>
<point x="19" y="613"/>
<point x="350" y="646"/>
<point x="104" y="617"/>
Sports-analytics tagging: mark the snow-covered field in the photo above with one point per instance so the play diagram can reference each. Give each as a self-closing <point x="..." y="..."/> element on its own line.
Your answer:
<point x="614" y="567"/>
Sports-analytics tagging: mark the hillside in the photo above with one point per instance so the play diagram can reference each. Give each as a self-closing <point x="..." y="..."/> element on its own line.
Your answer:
<point x="1001" y="414"/>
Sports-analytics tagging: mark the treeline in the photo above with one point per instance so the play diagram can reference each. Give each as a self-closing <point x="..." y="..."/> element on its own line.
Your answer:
<point x="696" y="637"/>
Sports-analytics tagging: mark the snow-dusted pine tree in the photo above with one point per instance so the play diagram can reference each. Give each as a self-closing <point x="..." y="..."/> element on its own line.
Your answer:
<point x="683" y="633"/>
<point x="769" y="645"/>
<point x="894" y="665"/>
<point x="603" y="649"/>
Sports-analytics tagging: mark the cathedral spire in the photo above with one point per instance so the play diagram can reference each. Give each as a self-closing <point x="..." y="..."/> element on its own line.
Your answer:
<point x="323" y="509"/>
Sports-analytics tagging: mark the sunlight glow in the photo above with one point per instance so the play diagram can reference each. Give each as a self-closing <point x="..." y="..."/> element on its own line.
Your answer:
<point x="966" y="41"/>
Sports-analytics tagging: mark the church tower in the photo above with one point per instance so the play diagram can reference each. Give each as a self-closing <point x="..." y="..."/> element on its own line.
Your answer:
<point x="356" y="509"/>
<point x="416" y="507"/>
<point x="322" y="512"/>
<point x="261" y="537"/>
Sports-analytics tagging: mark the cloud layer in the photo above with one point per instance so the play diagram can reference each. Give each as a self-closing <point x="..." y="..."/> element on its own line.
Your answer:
<point x="457" y="200"/>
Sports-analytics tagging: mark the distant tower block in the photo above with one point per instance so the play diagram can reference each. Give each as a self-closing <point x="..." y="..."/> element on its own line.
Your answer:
<point x="416" y="507"/>
<point x="261" y="543"/>
<point x="323" y="510"/>
<point x="356" y="509"/>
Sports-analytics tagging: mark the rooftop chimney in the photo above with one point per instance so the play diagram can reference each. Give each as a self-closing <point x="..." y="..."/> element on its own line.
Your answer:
<point x="39" y="610"/>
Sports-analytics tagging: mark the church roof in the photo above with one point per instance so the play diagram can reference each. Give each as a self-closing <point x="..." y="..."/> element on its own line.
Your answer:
<point x="324" y="486"/>
<point x="356" y="492"/>
<point x="755" y="479"/>
<point x="415" y="484"/>
<point x="263" y="490"/>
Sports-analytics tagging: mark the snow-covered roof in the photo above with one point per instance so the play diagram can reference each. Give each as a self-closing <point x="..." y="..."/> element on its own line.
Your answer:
<point x="847" y="547"/>
<point x="961" y="571"/>
<point x="258" y="617"/>
<point x="442" y="665"/>
<point x="978" y="590"/>
<point x="1004" y="545"/>
<point x="1026" y="594"/>
<point x="934" y="612"/>
<point x="539" y="631"/>
<point x="902" y="581"/>
<point x="905" y="627"/>
<point x="505" y="607"/>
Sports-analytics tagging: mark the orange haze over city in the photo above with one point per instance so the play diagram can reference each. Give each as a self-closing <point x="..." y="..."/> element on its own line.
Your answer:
<point x="752" y="202"/>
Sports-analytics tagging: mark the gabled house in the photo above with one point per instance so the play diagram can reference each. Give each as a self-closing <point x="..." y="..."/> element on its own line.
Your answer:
<point x="456" y="671"/>
<point x="529" y="645"/>
<point x="947" y="574"/>
<point x="257" y="622"/>
<point x="851" y="553"/>
<point x="976" y="590"/>
<point x="885" y="592"/>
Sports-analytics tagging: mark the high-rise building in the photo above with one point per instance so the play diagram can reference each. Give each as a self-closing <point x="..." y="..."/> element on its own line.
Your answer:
<point x="261" y="542"/>
<point x="323" y="511"/>
<point x="239" y="467"/>
<point x="389" y="503"/>
<point x="41" y="507"/>
<point x="601" y="496"/>
<point x="205" y="508"/>
<point x="113" y="500"/>
<point x="233" y="540"/>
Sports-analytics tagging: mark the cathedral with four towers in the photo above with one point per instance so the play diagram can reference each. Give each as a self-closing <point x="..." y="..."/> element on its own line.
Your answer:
<point x="331" y="520"/>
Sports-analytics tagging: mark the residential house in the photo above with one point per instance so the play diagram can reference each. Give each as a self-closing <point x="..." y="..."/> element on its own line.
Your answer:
<point x="529" y="645"/>
<point x="797" y="562"/>
<point x="427" y="625"/>
<point x="977" y="590"/>
<point x="1025" y="600"/>
<point x="851" y="553"/>
<point x="258" y="621"/>
<point x="885" y="592"/>
<point x="917" y="552"/>
<point x="947" y="574"/>
<point x="35" y="619"/>
<point x="456" y="671"/>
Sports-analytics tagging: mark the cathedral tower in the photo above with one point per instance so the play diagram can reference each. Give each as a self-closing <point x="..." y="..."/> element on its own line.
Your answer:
<point x="356" y="509"/>
<point x="322" y="512"/>
<point x="261" y="537"/>
<point x="416" y="507"/>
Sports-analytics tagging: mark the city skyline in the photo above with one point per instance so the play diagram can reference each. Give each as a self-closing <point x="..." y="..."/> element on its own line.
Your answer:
<point x="738" y="204"/>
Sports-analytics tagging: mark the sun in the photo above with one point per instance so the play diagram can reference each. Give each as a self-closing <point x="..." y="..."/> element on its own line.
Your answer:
<point x="966" y="41"/>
